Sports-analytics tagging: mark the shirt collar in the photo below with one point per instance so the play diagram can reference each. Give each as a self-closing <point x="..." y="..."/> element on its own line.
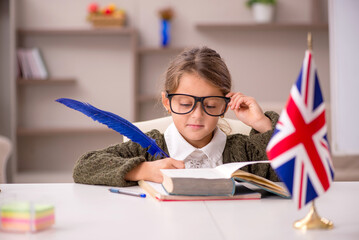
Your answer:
<point x="180" y="149"/>
<point x="214" y="149"/>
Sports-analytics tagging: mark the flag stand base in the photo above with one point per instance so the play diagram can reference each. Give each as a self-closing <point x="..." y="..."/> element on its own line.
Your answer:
<point x="313" y="221"/>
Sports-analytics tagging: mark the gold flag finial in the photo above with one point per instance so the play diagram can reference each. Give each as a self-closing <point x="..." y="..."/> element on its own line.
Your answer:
<point x="310" y="41"/>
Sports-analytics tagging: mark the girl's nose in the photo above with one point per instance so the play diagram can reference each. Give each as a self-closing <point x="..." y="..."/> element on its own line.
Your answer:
<point x="198" y="111"/>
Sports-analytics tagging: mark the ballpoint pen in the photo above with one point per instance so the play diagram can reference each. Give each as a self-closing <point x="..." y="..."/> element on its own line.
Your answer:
<point x="121" y="191"/>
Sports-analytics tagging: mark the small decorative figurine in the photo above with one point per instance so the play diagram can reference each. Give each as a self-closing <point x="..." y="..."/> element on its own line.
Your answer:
<point x="166" y="15"/>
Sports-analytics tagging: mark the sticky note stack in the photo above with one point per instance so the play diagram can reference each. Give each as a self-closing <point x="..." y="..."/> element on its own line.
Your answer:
<point x="26" y="217"/>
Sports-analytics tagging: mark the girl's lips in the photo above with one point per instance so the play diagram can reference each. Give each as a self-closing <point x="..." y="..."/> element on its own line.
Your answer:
<point x="195" y="126"/>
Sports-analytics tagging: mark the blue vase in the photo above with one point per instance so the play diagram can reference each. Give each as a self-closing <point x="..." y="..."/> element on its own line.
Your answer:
<point x="165" y="32"/>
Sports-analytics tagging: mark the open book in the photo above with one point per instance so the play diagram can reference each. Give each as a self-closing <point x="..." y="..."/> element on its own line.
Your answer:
<point x="157" y="191"/>
<point x="216" y="181"/>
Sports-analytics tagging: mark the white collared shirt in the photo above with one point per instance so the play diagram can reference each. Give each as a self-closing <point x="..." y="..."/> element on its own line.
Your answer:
<point x="207" y="157"/>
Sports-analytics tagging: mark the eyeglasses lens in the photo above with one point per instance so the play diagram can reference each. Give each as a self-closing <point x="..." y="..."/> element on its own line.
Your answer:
<point x="185" y="104"/>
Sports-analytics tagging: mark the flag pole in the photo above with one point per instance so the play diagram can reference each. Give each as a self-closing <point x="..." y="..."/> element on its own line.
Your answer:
<point x="309" y="41"/>
<point x="312" y="220"/>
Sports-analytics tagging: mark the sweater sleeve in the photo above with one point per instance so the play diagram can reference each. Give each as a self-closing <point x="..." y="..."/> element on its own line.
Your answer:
<point x="110" y="165"/>
<point x="241" y="148"/>
<point x="257" y="144"/>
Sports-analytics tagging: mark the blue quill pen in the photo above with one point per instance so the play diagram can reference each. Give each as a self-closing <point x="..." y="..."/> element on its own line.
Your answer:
<point x="116" y="123"/>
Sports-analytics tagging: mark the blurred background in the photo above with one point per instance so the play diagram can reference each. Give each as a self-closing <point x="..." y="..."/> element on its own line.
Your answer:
<point x="113" y="54"/>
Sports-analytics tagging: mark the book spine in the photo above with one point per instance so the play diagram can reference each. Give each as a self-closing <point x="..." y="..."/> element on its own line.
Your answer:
<point x="23" y="64"/>
<point x="20" y="73"/>
<point x="40" y="63"/>
<point x="32" y="64"/>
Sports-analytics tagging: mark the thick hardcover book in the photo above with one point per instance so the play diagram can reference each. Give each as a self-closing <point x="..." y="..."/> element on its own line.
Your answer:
<point x="218" y="181"/>
<point x="157" y="191"/>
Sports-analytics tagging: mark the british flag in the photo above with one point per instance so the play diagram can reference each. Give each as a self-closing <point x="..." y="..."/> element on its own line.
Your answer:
<point x="299" y="149"/>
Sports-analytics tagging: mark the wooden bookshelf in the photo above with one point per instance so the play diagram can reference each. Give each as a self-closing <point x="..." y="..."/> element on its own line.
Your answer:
<point x="24" y="134"/>
<point x="21" y="37"/>
<point x="256" y="27"/>
<point x="48" y="81"/>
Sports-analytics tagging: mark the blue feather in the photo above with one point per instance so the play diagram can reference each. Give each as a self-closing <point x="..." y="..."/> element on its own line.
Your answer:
<point x="116" y="123"/>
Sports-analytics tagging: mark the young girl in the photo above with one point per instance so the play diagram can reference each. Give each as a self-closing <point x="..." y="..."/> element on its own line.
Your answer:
<point x="197" y="93"/>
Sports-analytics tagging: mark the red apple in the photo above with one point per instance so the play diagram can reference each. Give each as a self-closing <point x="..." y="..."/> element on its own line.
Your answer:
<point x="93" y="8"/>
<point x="108" y="11"/>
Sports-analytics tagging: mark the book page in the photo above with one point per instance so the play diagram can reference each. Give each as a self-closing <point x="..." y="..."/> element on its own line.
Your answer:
<point x="226" y="170"/>
<point x="158" y="187"/>
<point x="207" y="173"/>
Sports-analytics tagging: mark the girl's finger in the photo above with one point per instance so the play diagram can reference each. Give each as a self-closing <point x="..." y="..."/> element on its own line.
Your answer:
<point x="234" y="99"/>
<point x="239" y="101"/>
<point x="177" y="164"/>
<point x="230" y="94"/>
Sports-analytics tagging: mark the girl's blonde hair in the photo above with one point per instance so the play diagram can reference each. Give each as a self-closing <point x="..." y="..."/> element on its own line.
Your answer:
<point x="203" y="61"/>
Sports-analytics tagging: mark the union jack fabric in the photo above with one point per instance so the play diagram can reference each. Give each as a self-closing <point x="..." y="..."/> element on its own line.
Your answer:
<point x="299" y="149"/>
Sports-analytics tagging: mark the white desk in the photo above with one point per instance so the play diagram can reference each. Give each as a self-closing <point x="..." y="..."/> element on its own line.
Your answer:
<point x="92" y="212"/>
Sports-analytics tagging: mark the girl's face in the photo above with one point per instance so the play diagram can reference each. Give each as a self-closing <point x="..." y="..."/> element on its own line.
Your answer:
<point x="196" y="127"/>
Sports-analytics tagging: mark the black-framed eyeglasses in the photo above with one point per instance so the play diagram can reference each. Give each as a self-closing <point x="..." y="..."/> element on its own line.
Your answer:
<point x="212" y="105"/>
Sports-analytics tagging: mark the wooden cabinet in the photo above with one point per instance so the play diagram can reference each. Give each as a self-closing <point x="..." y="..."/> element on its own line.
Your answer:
<point x="73" y="56"/>
<point x="49" y="41"/>
<point x="40" y="134"/>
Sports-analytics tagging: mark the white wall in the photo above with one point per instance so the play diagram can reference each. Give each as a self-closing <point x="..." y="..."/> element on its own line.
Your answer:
<point x="344" y="48"/>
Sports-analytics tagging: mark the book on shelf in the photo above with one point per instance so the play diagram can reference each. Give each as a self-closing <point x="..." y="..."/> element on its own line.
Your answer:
<point x="40" y="63"/>
<point x="220" y="180"/>
<point x="157" y="191"/>
<point x="23" y="64"/>
<point x="33" y="68"/>
<point x="31" y="64"/>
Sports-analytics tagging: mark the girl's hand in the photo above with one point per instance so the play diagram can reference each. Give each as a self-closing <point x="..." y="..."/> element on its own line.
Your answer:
<point x="249" y="112"/>
<point x="150" y="171"/>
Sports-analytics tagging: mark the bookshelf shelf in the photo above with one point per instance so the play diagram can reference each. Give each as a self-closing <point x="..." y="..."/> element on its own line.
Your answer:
<point x="49" y="81"/>
<point x="146" y="98"/>
<point x="159" y="50"/>
<point x="255" y="27"/>
<point x="78" y="31"/>
<point x="36" y="132"/>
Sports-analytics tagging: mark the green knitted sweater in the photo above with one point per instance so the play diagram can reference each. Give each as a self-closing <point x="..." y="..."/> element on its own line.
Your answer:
<point x="110" y="165"/>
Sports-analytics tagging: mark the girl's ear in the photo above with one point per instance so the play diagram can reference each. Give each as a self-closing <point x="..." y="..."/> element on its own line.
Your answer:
<point x="165" y="102"/>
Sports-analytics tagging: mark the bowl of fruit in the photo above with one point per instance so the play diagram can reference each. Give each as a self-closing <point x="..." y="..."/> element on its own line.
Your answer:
<point x="108" y="16"/>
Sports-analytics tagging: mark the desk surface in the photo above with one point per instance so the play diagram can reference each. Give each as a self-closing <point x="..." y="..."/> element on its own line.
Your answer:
<point x="92" y="212"/>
